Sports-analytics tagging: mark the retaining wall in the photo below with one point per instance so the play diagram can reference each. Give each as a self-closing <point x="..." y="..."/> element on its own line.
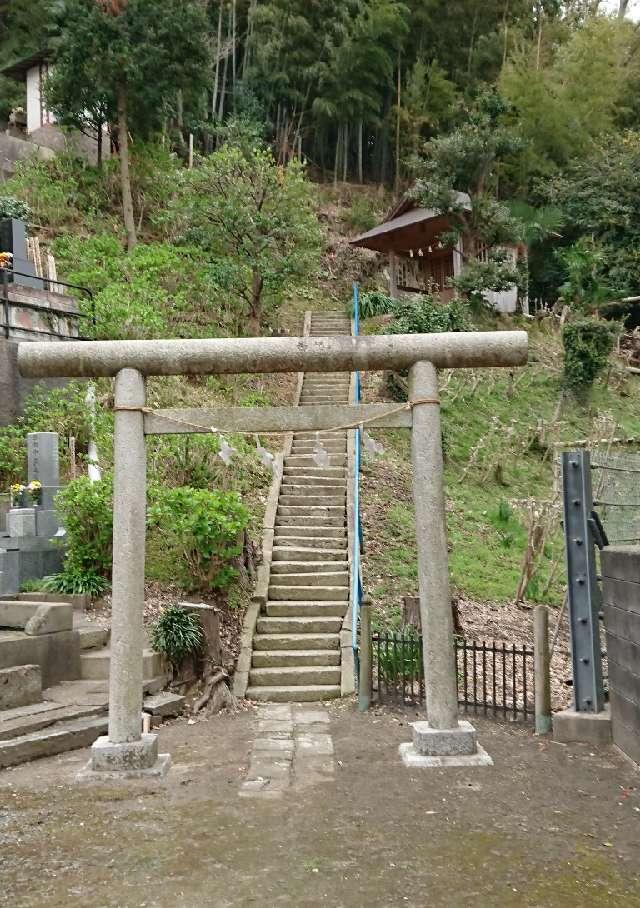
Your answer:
<point x="621" y="595"/>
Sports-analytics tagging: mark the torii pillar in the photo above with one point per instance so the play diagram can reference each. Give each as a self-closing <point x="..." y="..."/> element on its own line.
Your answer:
<point x="441" y="739"/>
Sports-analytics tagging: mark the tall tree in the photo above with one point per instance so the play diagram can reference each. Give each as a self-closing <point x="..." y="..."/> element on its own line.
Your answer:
<point x="127" y="58"/>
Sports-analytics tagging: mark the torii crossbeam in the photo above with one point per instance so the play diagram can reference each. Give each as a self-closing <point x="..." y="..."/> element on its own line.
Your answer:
<point x="125" y="751"/>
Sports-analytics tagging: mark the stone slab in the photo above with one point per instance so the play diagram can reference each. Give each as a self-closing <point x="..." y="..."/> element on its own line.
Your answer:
<point x="53" y="617"/>
<point x="621" y="563"/>
<point x="47" y="523"/>
<point x="450" y="742"/>
<point x="58" y="655"/>
<point x="21" y="522"/>
<point x="414" y="760"/>
<point x="20" y="685"/>
<point x="164" y="704"/>
<point x="122" y="757"/>
<point x="60" y="738"/>
<point x="590" y="728"/>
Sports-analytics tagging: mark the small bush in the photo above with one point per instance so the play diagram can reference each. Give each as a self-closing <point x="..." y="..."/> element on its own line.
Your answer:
<point x="425" y="316"/>
<point x="587" y="346"/>
<point x="362" y="214"/>
<point x="177" y="634"/>
<point x="206" y="528"/>
<point x="376" y="303"/>
<point x="14" y="208"/>
<point x="85" y="510"/>
<point x="75" y="582"/>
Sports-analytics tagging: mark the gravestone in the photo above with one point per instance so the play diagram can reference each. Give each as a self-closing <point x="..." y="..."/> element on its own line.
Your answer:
<point x="28" y="552"/>
<point x="13" y="238"/>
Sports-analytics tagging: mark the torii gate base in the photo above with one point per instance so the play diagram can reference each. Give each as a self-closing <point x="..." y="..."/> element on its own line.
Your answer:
<point x="441" y="740"/>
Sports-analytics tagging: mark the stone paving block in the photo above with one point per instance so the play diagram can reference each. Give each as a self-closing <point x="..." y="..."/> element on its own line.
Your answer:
<point x="275" y="727"/>
<point x="268" y="769"/>
<point x="321" y="745"/>
<point x="282" y="746"/>
<point x="281" y="711"/>
<point x="303" y="716"/>
<point x="311" y="763"/>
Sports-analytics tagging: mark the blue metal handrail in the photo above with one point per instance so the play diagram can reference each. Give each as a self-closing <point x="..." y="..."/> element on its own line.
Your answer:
<point x="356" y="575"/>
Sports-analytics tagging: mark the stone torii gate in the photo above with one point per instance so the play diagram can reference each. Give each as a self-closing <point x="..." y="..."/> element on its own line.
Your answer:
<point x="125" y="751"/>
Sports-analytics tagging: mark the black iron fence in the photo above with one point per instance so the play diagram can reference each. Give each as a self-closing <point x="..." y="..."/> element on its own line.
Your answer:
<point x="495" y="678"/>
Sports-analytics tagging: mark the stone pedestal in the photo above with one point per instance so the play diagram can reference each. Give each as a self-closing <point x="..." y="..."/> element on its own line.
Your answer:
<point x="21" y="522"/>
<point x="589" y="728"/>
<point x="131" y="760"/>
<point x="435" y="747"/>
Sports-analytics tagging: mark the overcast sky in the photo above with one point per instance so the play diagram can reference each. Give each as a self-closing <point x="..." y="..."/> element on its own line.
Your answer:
<point x="634" y="8"/>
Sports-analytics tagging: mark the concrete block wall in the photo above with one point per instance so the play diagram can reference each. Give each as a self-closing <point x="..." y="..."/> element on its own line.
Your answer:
<point x="621" y="595"/>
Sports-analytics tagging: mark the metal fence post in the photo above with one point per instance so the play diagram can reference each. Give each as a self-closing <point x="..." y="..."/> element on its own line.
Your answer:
<point x="583" y="591"/>
<point x="366" y="660"/>
<point x="541" y="670"/>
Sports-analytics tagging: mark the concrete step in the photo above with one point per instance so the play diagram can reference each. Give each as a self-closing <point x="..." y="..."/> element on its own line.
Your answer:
<point x="26" y="720"/>
<point x="339" y="447"/>
<point x="312" y="501"/>
<point x="322" y="399"/>
<point x="283" y="658"/>
<point x="93" y="637"/>
<point x="294" y="675"/>
<point x="311" y="471"/>
<point x="287" y="536"/>
<point x="311" y="521"/>
<point x="59" y="738"/>
<point x="315" y="510"/>
<point x="320" y="532"/>
<point x="305" y="460"/>
<point x="307" y="567"/>
<point x="94" y="665"/>
<point x="334" y="578"/>
<point x="292" y="488"/>
<point x="294" y="694"/>
<point x="296" y="641"/>
<point x="305" y="609"/>
<point x="299" y="625"/>
<point x="307" y="552"/>
<point x="309" y="593"/>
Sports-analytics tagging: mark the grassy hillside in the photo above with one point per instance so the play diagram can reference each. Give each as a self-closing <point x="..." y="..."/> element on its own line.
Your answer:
<point x="502" y="433"/>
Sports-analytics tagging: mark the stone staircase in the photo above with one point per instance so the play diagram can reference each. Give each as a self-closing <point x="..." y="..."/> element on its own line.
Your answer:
<point x="54" y="678"/>
<point x="296" y="647"/>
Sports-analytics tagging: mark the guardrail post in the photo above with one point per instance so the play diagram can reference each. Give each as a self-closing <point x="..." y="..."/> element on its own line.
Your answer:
<point x="366" y="658"/>
<point x="583" y="592"/>
<point x="541" y="670"/>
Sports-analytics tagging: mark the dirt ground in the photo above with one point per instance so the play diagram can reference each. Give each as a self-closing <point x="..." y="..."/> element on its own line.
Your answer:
<point x="547" y="825"/>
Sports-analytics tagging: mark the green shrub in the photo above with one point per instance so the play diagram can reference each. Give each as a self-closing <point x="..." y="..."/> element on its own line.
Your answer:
<point x="85" y="510"/>
<point x="362" y="215"/>
<point x="14" y="208"/>
<point x="206" y="528"/>
<point x="177" y="634"/>
<point x="375" y="302"/>
<point x="76" y="582"/>
<point x="425" y="316"/>
<point x="587" y="346"/>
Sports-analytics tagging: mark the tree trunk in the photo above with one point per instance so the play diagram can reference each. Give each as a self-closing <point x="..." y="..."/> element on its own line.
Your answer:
<point x="216" y="83"/>
<point x="248" y="41"/>
<point x="224" y="77"/>
<point x="255" y="312"/>
<point x="234" y="26"/>
<point x="100" y="144"/>
<point x="622" y="8"/>
<point x="399" y="102"/>
<point x="345" y="160"/>
<point x="505" y="29"/>
<point x="473" y="41"/>
<point x="360" y="164"/>
<point x="540" y="20"/>
<point x="336" y="163"/>
<point x="125" y="176"/>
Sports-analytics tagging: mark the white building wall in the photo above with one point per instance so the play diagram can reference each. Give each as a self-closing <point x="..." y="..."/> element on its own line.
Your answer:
<point x="37" y="115"/>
